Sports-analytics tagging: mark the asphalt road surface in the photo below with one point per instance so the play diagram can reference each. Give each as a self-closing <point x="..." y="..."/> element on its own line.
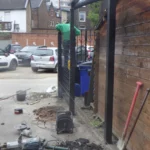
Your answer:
<point x="23" y="78"/>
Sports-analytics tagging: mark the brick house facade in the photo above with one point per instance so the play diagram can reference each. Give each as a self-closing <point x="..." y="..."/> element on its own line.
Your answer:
<point x="43" y="18"/>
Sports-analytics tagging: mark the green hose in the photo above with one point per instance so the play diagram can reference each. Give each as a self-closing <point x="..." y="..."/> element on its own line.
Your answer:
<point x="56" y="148"/>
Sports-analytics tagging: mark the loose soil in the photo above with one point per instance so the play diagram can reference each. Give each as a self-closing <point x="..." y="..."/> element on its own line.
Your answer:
<point x="47" y="113"/>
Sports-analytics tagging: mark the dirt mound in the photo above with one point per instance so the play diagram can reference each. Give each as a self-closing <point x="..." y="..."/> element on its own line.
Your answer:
<point x="47" y="113"/>
<point x="81" y="144"/>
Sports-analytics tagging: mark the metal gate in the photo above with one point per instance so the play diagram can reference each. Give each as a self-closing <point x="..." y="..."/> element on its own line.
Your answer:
<point x="83" y="42"/>
<point x="65" y="78"/>
<point x="63" y="69"/>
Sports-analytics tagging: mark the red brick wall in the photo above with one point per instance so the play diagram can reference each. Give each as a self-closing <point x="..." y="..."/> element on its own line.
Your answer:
<point x="28" y="38"/>
<point x="39" y="36"/>
<point x="132" y="63"/>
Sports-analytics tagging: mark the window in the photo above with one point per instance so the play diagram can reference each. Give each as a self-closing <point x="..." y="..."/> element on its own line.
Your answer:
<point x="56" y="51"/>
<point x="33" y="24"/>
<point x="52" y="13"/>
<point x="52" y="24"/>
<point x="29" y="49"/>
<point x="16" y="47"/>
<point x="57" y="14"/>
<point x="16" y="27"/>
<point x="82" y="27"/>
<point x="43" y="52"/>
<point x="7" y="26"/>
<point x="82" y="16"/>
<point x="7" y="16"/>
<point x="1" y="52"/>
<point x="8" y="48"/>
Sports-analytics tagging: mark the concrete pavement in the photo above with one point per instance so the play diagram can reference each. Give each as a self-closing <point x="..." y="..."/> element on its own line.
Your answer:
<point x="23" y="78"/>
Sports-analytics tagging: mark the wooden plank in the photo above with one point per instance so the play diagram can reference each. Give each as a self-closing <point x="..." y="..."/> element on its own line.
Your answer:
<point x="120" y="59"/>
<point x="146" y="143"/>
<point x="128" y="60"/>
<point x="145" y="73"/>
<point x="137" y="40"/>
<point x="137" y="141"/>
<point x="134" y="71"/>
<point x="101" y="109"/>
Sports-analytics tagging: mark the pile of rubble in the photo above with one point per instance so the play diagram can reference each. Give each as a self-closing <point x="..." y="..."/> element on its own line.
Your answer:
<point x="47" y="113"/>
<point x="81" y="144"/>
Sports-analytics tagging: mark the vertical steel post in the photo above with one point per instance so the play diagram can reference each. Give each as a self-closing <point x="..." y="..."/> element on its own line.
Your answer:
<point x="72" y="63"/>
<point x="77" y="44"/>
<point x="85" y="44"/>
<point x="94" y="39"/>
<point x="111" y="27"/>
<point x="90" y="37"/>
<point x="59" y="64"/>
<point x="81" y="46"/>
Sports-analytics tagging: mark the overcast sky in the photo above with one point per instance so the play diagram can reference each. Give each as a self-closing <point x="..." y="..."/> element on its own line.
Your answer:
<point x="56" y="2"/>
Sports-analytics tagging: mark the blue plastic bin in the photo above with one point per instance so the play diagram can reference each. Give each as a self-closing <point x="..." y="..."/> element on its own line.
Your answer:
<point x="84" y="78"/>
<point x="77" y="90"/>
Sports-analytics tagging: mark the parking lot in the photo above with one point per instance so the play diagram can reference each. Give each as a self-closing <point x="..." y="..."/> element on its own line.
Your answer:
<point x="23" y="78"/>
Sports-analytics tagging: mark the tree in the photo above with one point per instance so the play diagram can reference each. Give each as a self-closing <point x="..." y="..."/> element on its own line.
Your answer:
<point x="94" y="13"/>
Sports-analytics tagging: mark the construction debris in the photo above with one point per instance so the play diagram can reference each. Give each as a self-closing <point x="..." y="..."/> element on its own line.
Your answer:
<point x="81" y="144"/>
<point x="23" y="129"/>
<point x="18" y="111"/>
<point x="34" y="96"/>
<point x="47" y="113"/>
<point x="51" y="89"/>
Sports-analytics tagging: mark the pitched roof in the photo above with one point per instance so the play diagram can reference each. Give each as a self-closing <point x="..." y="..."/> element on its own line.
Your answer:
<point x="13" y="4"/>
<point x="36" y="3"/>
<point x="52" y="6"/>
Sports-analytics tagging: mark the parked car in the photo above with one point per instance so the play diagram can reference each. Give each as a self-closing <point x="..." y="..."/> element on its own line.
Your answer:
<point x="24" y="55"/>
<point x="90" y="50"/>
<point x="8" y="61"/>
<point x="45" y="58"/>
<point x="81" y="54"/>
<point x="13" y="48"/>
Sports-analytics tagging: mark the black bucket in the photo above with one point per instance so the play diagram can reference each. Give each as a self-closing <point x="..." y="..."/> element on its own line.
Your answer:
<point x="21" y="95"/>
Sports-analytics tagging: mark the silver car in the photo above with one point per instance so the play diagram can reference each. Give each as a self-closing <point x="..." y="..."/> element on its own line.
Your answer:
<point x="45" y="58"/>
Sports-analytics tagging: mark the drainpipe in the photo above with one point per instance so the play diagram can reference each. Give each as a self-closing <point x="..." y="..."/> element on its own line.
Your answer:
<point x="111" y="27"/>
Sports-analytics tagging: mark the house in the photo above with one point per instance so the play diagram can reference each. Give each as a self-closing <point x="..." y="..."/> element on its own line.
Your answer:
<point x="43" y="18"/>
<point x="43" y="25"/>
<point x="81" y="20"/>
<point x="15" y="16"/>
<point x="65" y="14"/>
<point x="59" y="3"/>
<point x="132" y="64"/>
